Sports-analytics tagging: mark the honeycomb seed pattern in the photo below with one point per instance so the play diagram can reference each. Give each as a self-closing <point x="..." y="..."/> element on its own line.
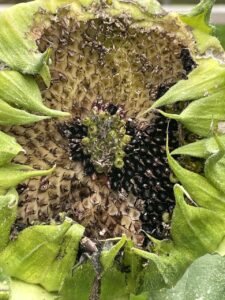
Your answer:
<point x="106" y="59"/>
<point x="110" y="60"/>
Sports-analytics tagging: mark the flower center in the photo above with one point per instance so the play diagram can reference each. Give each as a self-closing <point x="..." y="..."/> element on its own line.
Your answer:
<point x="106" y="138"/>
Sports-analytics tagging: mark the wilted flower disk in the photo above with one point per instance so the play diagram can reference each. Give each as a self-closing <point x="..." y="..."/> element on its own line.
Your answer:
<point x="121" y="67"/>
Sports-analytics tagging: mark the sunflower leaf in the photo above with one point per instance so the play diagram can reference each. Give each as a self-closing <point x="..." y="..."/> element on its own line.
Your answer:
<point x="43" y="254"/>
<point x="202" y="148"/>
<point x="11" y="175"/>
<point x="208" y="78"/>
<point x="22" y="91"/>
<point x="8" y="211"/>
<point x="9" y="148"/>
<point x="204" y="279"/>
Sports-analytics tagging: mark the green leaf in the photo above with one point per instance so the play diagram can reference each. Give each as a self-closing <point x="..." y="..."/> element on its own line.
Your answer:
<point x="202" y="115"/>
<point x="23" y="92"/>
<point x="24" y="291"/>
<point x="199" y="188"/>
<point x="202" y="148"/>
<point x="108" y="256"/>
<point x="9" y="148"/>
<point x="79" y="285"/>
<point x="204" y="279"/>
<point x="12" y="116"/>
<point x="208" y="78"/>
<point x="11" y="175"/>
<point x="4" y="287"/>
<point x="8" y="212"/>
<point x="43" y="254"/>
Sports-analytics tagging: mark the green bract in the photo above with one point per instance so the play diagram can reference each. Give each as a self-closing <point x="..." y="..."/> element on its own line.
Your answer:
<point x="43" y="259"/>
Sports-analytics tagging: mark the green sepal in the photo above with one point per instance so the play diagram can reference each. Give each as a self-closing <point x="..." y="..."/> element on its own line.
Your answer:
<point x="202" y="148"/>
<point x="43" y="254"/>
<point x="12" y="116"/>
<point x="108" y="256"/>
<point x="12" y="174"/>
<point x="199" y="188"/>
<point x="22" y="91"/>
<point x="198" y="20"/>
<point x="215" y="169"/>
<point x="17" y="50"/>
<point x="112" y="277"/>
<point x="204" y="8"/>
<point x="195" y="231"/>
<point x="203" y="115"/>
<point x="9" y="148"/>
<point x="5" y="290"/>
<point x="204" y="228"/>
<point x="8" y="212"/>
<point x="208" y="78"/>
<point x="133" y="263"/>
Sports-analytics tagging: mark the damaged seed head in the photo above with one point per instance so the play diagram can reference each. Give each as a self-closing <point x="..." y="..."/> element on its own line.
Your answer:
<point x="113" y="61"/>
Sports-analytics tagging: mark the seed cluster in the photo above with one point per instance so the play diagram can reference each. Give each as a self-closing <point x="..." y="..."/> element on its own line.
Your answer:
<point x="147" y="175"/>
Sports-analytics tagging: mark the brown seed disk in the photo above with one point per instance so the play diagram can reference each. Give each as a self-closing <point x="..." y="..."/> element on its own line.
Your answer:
<point x="104" y="59"/>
